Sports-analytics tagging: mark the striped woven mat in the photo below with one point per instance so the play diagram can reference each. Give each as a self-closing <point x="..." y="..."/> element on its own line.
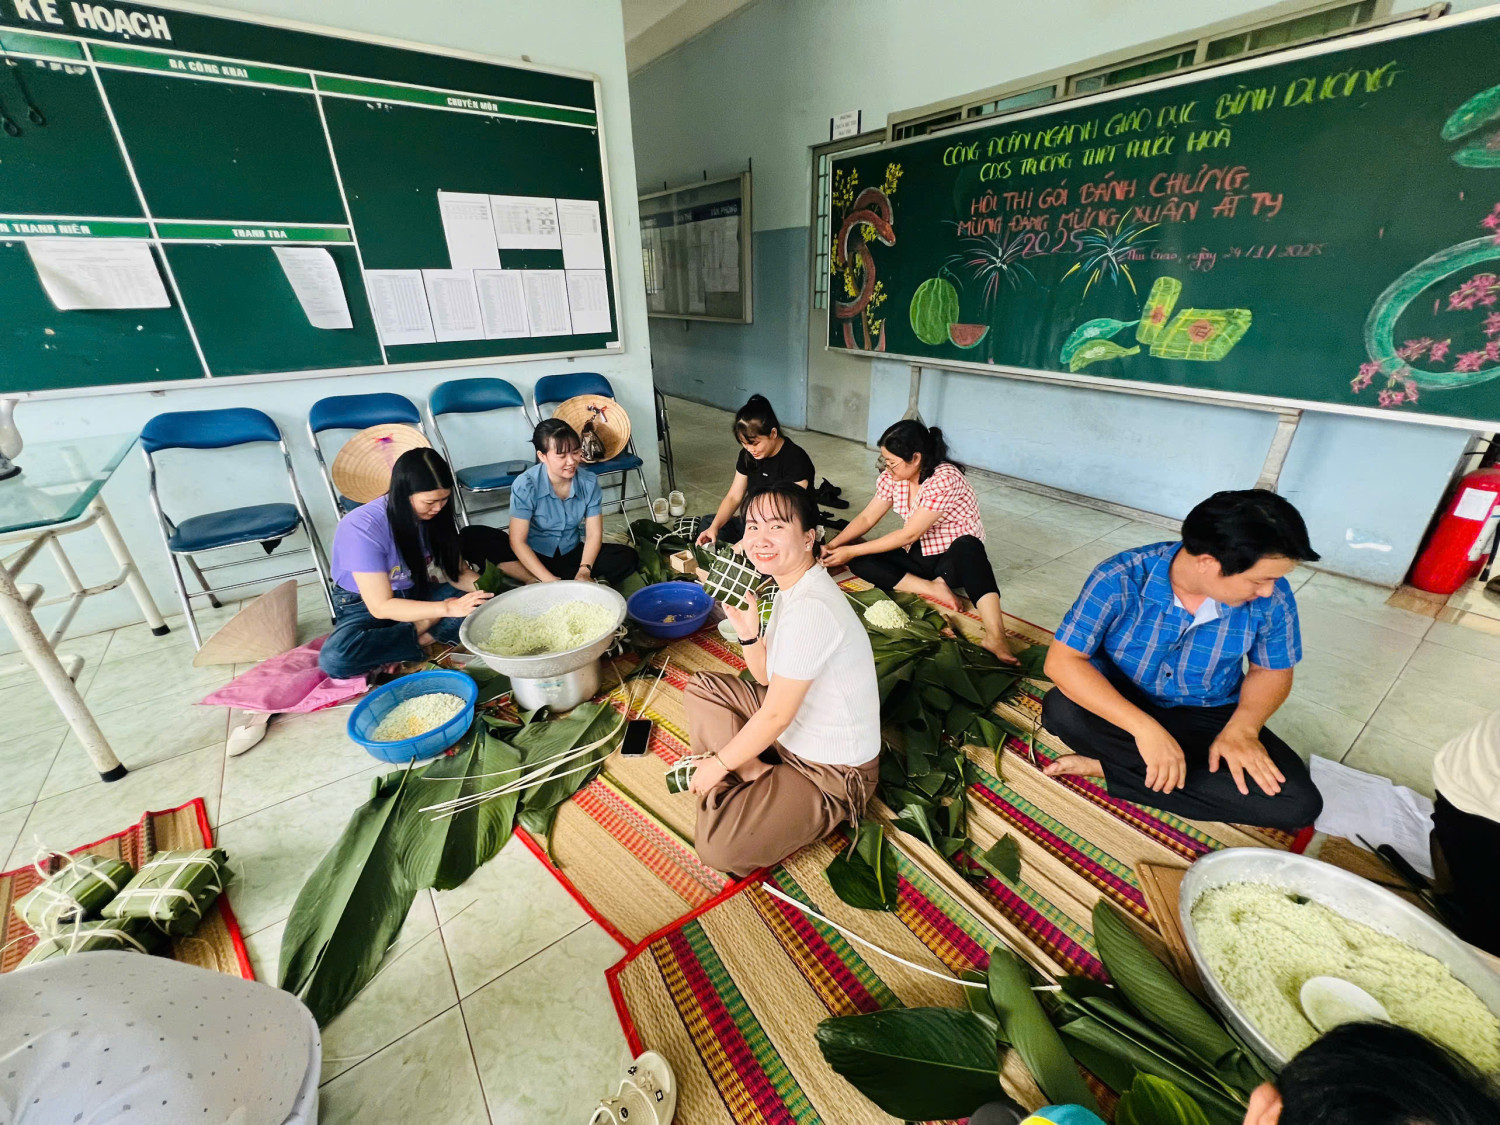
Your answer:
<point x="216" y="944"/>
<point x="732" y="995"/>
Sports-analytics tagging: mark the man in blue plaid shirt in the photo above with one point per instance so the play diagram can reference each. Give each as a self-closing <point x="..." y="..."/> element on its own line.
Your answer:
<point x="1151" y="689"/>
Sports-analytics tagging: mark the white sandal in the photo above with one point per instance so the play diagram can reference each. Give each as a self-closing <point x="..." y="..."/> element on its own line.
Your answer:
<point x="647" y="1095"/>
<point x="676" y="503"/>
<point x="246" y="729"/>
<point x="660" y="509"/>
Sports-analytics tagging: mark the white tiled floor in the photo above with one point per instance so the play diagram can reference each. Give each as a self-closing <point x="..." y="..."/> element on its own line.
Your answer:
<point x="493" y="1007"/>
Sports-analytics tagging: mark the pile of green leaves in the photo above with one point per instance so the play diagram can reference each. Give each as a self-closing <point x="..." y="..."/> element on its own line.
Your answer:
<point x="353" y="904"/>
<point x="937" y="693"/>
<point x="1146" y="1036"/>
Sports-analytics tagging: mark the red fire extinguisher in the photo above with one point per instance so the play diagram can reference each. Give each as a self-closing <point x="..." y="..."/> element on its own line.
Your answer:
<point x="1458" y="546"/>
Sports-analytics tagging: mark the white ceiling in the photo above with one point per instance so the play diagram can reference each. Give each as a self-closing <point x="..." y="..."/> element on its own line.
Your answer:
<point x="654" y="27"/>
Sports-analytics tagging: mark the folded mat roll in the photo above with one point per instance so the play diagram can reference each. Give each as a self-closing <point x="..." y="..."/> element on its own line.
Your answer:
<point x="82" y="937"/>
<point x="76" y="892"/>
<point x="172" y="890"/>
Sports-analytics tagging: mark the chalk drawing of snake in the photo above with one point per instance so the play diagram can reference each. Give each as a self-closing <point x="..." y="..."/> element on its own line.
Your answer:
<point x="871" y="208"/>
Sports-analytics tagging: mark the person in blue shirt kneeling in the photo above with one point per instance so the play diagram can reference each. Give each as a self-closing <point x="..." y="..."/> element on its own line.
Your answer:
<point x="556" y="521"/>
<point x="1151" y="691"/>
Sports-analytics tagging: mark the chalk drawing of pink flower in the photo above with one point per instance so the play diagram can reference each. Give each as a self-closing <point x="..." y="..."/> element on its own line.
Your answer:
<point x="1492" y="220"/>
<point x="1367" y="371"/>
<point x="1413" y="349"/>
<point x="1492" y="351"/>
<point x="1469" y="361"/>
<point x="1440" y="350"/>
<point x="1411" y="391"/>
<point x="1391" y="398"/>
<point x="1492" y="324"/>
<point x="1478" y="290"/>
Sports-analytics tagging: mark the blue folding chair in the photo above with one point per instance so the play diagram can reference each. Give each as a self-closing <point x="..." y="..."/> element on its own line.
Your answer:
<point x="355" y="412"/>
<point x="476" y="396"/>
<point x="553" y="389"/>
<point x="266" y="524"/>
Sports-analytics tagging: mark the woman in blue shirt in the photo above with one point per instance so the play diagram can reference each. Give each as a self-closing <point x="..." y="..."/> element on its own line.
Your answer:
<point x="556" y="522"/>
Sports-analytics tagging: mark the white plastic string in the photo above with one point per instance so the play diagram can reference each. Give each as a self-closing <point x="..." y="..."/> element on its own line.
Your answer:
<point x="852" y="936"/>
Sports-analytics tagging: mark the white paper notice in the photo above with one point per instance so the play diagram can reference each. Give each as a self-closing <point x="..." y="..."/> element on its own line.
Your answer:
<point x="98" y="273"/>
<point x="454" y="302"/>
<point x="400" y="306"/>
<point x="502" y="304"/>
<point x="582" y="234"/>
<point x="588" y="301"/>
<point x="1357" y="804"/>
<point x="525" y="222"/>
<point x="467" y="227"/>
<point x="1474" y="504"/>
<point x="547" y="303"/>
<point x="314" y="277"/>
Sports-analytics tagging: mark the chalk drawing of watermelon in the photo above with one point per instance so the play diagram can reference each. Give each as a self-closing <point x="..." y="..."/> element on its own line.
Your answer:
<point x="967" y="335"/>
<point x="934" y="306"/>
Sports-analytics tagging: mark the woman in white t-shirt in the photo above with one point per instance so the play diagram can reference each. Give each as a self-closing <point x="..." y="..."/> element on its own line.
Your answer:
<point x="796" y="753"/>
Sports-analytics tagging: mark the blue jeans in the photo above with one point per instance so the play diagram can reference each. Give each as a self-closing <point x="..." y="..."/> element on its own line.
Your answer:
<point x="360" y="642"/>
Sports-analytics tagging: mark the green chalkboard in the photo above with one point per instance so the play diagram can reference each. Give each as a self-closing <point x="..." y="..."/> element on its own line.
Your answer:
<point x="211" y="139"/>
<point x="1320" y="228"/>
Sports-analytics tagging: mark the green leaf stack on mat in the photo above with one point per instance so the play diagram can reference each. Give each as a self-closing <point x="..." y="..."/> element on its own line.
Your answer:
<point x="864" y="875"/>
<point x="77" y="892"/>
<point x="917" y="1064"/>
<point x="1024" y="1024"/>
<point x="433" y="826"/>
<point x="172" y="890"/>
<point x="86" y="937"/>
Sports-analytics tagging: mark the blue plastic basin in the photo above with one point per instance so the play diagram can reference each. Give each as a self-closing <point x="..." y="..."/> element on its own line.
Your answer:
<point x="370" y="710"/>
<point x="687" y="602"/>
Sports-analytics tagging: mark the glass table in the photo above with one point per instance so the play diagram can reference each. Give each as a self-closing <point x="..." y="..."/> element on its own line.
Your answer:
<point x="59" y="492"/>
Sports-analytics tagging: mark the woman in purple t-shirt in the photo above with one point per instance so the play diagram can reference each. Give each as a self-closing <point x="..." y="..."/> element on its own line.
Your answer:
<point x="385" y="553"/>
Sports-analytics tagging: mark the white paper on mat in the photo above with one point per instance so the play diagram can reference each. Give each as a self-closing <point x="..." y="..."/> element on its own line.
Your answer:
<point x="98" y="273"/>
<point x="314" y="277"/>
<point x="1358" y="804"/>
<point x="454" y="302"/>
<point x="502" y="304"/>
<point x="547" y="303"/>
<point x="399" y="303"/>
<point x="468" y="230"/>
<point x="525" y="222"/>
<point x="582" y="234"/>
<point x="588" y="301"/>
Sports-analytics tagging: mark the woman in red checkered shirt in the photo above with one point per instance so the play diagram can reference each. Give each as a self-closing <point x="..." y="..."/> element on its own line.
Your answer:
<point x="940" y="546"/>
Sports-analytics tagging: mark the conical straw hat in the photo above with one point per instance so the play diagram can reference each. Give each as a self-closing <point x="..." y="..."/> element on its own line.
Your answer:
<point x="611" y="422"/>
<point x="362" y="469"/>
<point x="265" y="628"/>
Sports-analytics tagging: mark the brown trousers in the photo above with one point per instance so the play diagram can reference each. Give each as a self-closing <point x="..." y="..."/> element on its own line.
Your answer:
<point x="745" y="825"/>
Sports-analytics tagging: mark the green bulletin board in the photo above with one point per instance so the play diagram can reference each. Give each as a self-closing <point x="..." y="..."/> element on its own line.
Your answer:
<point x="212" y="140"/>
<point x="1320" y="228"/>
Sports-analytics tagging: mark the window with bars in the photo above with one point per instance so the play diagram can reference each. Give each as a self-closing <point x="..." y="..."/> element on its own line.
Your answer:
<point x="1206" y="49"/>
<point x="823" y="193"/>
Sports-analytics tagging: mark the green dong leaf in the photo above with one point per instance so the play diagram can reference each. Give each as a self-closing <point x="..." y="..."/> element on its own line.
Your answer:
<point x="864" y="876"/>
<point x="1154" y="992"/>
<point x="1155" y="1101"/>
<point x="916" y="1064"/>
<point x="1024" y="1024"/>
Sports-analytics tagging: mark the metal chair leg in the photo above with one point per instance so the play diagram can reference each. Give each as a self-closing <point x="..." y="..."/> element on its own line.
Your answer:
<point x="213" y="599"/>
<point x="187" y="603"/>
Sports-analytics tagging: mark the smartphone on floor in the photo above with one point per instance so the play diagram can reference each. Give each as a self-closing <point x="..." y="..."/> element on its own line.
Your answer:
<point x="637" y="738"/>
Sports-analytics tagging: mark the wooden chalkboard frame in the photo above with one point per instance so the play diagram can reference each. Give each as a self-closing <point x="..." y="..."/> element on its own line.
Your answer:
<point x="1289" y="408"/>
<point x="744" y="183"/>
<point x="617" y="346"/>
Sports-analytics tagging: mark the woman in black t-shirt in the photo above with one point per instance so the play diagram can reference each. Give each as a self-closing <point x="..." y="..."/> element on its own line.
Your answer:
<point x="766" y="457"/>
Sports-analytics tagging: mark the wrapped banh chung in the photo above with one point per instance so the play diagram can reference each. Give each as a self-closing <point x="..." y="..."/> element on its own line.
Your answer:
<point x="173" y="890"/>
<point x="76" y="892"/>
<point x="85" y="937"/>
